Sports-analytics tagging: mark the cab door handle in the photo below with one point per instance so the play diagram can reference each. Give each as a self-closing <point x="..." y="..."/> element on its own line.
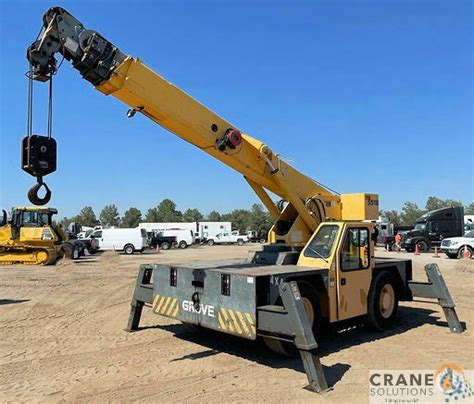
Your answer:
<point x="343" y="281"/>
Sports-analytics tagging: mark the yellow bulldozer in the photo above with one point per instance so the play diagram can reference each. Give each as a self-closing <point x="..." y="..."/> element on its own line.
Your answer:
<point x="29" y="236"/>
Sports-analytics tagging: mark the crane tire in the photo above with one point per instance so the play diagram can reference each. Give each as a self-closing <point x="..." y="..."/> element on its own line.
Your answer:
<point x="312" y="307"/>
<point x="382" y="302"/>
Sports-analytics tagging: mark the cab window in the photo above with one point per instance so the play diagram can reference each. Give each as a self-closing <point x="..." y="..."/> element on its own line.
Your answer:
<point x="97" y="234"/>
<point x="355" y="252"/>
<point x="321" y="244"/>
<point x="30" y="218"/>
<point x="44" y="219"/>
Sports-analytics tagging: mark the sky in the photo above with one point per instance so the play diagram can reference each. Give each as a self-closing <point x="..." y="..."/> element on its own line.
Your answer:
<point x="363" y="96"/>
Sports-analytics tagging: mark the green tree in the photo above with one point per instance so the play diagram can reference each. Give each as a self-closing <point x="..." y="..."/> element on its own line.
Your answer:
<point x="214" y="216"/>
<point x="66" y="221"/>
<point x="151" y="215"/>
<point x="410" y="212"/>
<point x="131" y="218"/>
<point x="391" y="216"/>
<point x="167" y="212"/>
<point x="433" y="203"/>
<point x="87" y="217"/>
<point x="192" y="215"/>
<point x="109" y="216"/>
<point x="240" y="219"/>
<point x="469" y="209"/>
<point x="260" y="220"/>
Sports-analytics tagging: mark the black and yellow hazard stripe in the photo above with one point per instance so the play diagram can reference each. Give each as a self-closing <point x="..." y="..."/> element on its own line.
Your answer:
<point x="236" y="322"/>
<point x="166" y="306"/>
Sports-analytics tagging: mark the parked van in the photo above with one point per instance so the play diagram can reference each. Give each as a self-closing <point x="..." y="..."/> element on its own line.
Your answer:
<point x="184" y="238"/>
<point x="126" y="240"/>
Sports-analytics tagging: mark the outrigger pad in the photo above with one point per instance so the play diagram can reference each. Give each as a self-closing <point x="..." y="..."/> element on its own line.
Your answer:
<point x="436" y="288"/>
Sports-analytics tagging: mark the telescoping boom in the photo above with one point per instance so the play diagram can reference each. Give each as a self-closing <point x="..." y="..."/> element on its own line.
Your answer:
<point x="319" y="267"/>
<point x="112" y="72"/>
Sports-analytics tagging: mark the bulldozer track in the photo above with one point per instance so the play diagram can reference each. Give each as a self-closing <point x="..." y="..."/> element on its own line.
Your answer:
<point x="27" y="255"/>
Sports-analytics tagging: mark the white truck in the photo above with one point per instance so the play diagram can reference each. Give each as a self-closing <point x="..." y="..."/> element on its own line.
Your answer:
<point x="184" y="237"/>
<point x="126" y="240"/>
<point x="183" y="231"/>
<point x="454" y="247"/>
<point x="228" y="238"/>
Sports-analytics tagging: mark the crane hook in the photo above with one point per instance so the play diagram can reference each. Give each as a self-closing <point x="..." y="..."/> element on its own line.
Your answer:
<point x="33" y="196"/>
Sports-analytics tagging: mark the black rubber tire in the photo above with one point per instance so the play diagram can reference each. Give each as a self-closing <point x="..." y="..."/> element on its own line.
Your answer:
<point x="287" y="348"/>
<point x="165" y="245"/>
<point x="210" y="242"/>
<point x="375" y="320"/>
<point x="423" y="246"/>
<point x="262" y="241"/>
<point x="129" y="249"/>
<point x="452" y="256"/>
<point x="182" y="244"/>
<point x="409" y="249"/>
<point x="67" y="251"/>
<point x="461" y="252"/>
<point x="240" y="242"/>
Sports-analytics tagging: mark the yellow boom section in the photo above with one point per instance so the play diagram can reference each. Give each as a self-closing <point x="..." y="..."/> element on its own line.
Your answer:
<point x="144" y="90"/>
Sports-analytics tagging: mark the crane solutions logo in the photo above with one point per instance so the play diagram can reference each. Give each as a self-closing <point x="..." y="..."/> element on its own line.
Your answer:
<point x="450" y="383"/>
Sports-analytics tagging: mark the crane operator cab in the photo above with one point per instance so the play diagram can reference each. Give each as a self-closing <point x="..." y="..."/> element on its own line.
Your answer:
<point x="346" y="250"/>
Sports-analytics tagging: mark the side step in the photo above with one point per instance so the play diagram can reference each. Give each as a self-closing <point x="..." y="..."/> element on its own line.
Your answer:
<point x="436" y="288"/>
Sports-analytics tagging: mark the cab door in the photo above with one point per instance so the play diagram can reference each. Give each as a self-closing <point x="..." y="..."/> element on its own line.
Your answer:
<point x="354" y="271"/>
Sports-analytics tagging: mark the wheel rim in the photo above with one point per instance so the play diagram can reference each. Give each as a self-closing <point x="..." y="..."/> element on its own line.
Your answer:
<point x="387" y="301"/>
<point x="308" y="308"/>
<point x="423" y="247"/>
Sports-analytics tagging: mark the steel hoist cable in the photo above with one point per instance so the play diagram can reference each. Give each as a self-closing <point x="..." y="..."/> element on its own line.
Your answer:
<point x="36" y="152"/>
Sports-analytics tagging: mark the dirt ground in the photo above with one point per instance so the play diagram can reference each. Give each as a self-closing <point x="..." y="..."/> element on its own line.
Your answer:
<point x="62" y="339"/>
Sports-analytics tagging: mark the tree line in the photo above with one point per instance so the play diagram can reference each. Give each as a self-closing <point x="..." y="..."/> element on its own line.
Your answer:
<point x="256" y="218"/>
<point x="410" y="210"/>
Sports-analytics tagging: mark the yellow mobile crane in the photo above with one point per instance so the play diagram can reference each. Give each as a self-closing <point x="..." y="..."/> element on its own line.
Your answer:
<point x="319" y="266"/>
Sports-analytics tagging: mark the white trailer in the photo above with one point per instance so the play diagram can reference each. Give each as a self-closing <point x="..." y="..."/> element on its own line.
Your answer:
<point x="201" y="230"/>
<point x="157" y="226"/>
<point x="207" y="230"/>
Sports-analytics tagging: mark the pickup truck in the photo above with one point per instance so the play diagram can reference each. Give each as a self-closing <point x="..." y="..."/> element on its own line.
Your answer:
<point x="454" y="247"/>
<point x="156" y="239"/>
<point x="80" y="245"/>
<point x="254" y="237"/>
<point x="228" y="238"/>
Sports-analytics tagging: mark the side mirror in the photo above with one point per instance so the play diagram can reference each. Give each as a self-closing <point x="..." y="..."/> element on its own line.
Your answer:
<point x="373" y="237"/>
